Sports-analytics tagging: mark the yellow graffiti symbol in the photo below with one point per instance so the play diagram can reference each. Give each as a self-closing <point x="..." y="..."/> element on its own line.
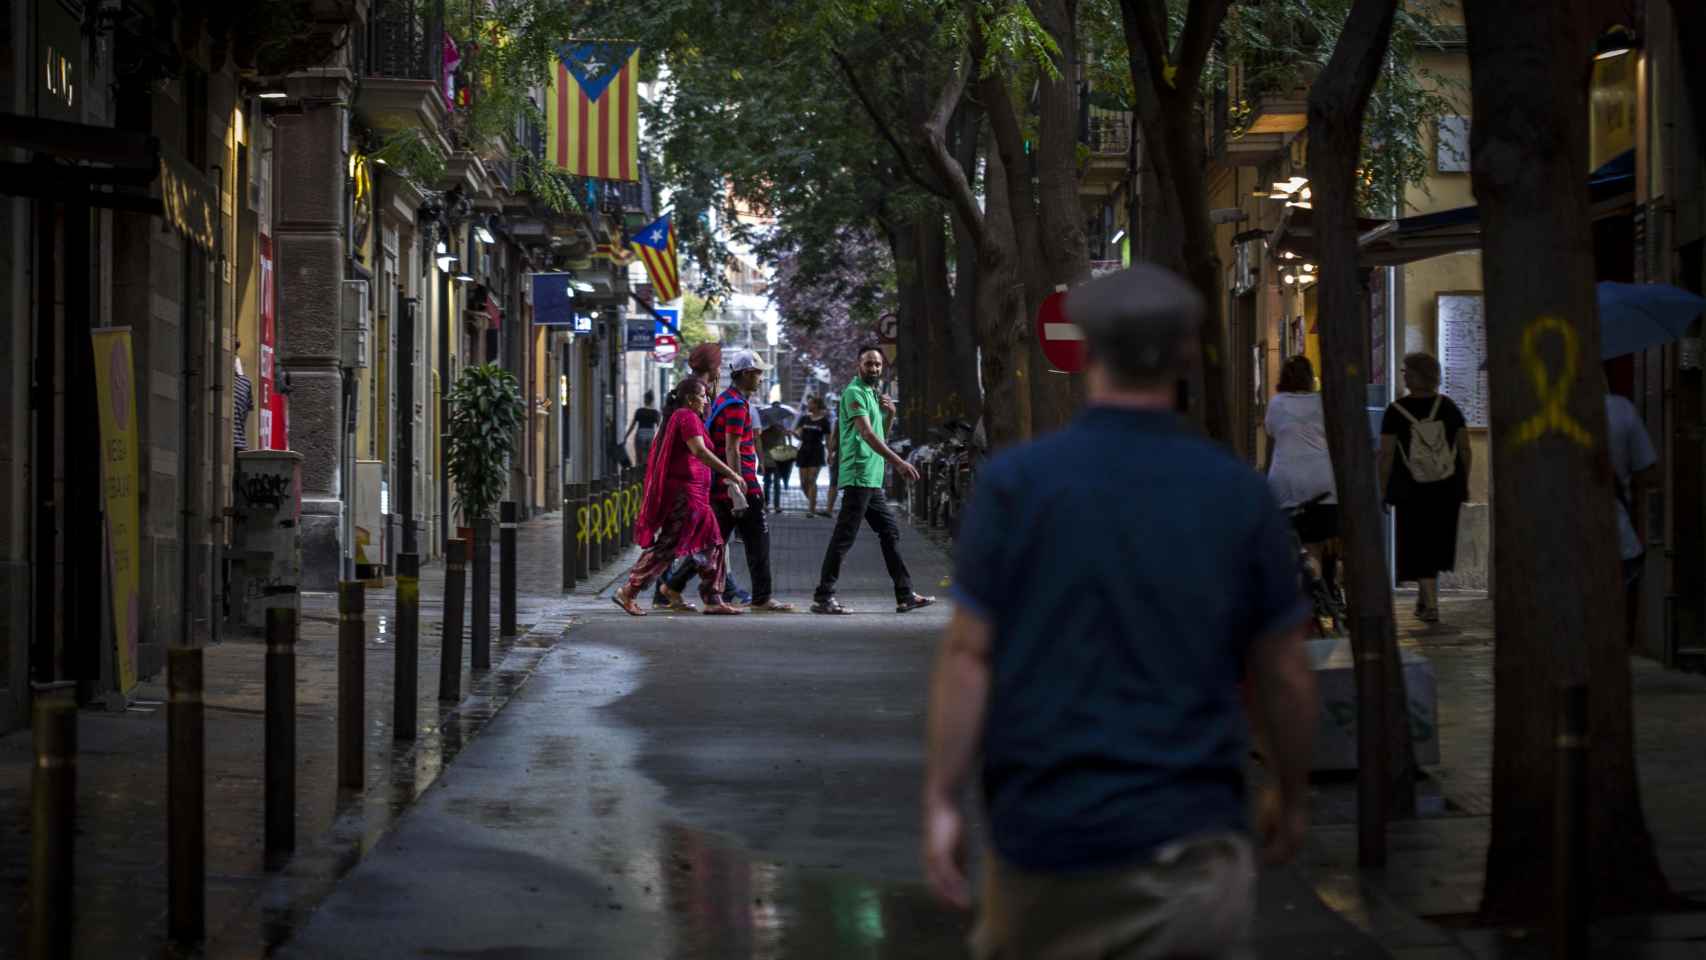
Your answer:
<point x="610" y="518"/>
<point x="581" y="532"/>
<point x="1554" y="395"/>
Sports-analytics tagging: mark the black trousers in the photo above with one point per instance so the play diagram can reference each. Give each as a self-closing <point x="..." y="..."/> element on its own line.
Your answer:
<point x="755" y="534"/>
<point x="869" y="505"/>
<point x="776" y="481"/>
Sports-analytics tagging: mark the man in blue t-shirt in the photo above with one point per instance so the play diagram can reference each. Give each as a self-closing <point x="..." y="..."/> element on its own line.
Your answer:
<point x="1115" y="582"/>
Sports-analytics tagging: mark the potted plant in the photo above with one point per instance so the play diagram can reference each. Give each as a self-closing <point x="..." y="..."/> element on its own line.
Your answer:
<point x="485" y="419"/>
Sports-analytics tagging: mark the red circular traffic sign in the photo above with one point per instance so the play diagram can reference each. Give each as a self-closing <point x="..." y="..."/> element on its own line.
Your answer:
<point x="664" y="348"/>
<point x="1061" y="340"/>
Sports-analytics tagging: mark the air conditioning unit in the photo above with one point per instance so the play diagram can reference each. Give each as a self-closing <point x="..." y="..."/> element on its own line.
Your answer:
<point x="356" y="326"/>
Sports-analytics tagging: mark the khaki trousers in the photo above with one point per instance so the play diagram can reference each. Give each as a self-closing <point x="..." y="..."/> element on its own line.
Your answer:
<point x="1192" y="901"/>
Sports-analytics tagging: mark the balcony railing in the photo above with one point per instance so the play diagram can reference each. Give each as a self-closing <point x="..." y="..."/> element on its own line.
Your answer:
<point x="1110" y="132"/>
<point x="405" y="40"/>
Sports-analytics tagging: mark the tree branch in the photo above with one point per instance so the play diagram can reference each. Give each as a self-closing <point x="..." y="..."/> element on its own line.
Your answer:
<point x="934" y="132"/>
<point x="1146" y="33"/>
<point x="906" y="165"/>
<point x="1202" y="22"/>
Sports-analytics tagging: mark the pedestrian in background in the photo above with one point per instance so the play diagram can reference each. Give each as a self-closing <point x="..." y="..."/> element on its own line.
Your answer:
<point x="676" y="520"/>
<point x="1094" y="660"/>
<point x="813" y="431"/>
<point x="643" y="428"/>
<point x="740" y="506"/>
<point x="1424" y="475"/>
<point x="778" y="452"/>
<point x="1632" y="462"/>
<point x="864" y="424"/>
<point x="1300" y="468"/>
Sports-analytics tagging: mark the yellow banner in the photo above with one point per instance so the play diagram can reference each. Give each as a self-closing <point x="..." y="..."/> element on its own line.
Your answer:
<point x="121" y="481"/>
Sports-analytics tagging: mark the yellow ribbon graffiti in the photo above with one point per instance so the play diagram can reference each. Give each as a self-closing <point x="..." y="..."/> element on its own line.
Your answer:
<point x="1553" y="394"/>
<point x="610" y="518"/>
<point x="581" y="531"/>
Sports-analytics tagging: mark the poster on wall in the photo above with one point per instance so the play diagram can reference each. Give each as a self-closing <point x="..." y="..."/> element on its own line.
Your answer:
<point x="1463" y="352"/>
<point x="271" y="404"/>
<point x="1377" y="332"/>
<point x="121" y="492"/>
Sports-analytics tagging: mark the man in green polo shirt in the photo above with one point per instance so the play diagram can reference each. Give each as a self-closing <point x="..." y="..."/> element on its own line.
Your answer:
<point x="864" y="423"/>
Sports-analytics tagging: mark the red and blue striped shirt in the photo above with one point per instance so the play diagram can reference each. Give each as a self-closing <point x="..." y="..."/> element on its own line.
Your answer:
<point x="731" y="415"/>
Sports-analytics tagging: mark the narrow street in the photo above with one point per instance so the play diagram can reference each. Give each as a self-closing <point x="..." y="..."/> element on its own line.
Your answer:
<point x="681" y="786"/>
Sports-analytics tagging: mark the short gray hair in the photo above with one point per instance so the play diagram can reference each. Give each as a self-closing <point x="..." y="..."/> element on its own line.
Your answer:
<point x="1141" y="323"/>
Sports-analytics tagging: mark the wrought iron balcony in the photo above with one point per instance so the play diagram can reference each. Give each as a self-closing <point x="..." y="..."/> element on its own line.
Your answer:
<point x="1110" y="132"/>
<point x="405" y="40"/>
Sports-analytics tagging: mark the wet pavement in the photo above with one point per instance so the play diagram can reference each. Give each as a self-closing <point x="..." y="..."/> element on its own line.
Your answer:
<point x="681" y="786"/>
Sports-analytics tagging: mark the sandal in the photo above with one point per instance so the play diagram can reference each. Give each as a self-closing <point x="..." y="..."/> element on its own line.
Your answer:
<point x="676" y="603"/>
<point x="773" y="606"/>
<point x="915" y="602"/>
<point x="830" y="606"/>
<point x="723" y="610"/>
<point x="622" y="598"/>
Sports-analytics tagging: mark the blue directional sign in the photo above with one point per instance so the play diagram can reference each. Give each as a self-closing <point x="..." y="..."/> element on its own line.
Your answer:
<point x="668" y="321"/>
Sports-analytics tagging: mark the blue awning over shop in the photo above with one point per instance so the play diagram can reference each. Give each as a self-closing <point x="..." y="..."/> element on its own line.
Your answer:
<point x="1611" y="190"/>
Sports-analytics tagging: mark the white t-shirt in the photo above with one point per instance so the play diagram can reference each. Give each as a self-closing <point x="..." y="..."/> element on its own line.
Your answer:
<point x="1631" y="452"/>
<point x="1302" y="468"/>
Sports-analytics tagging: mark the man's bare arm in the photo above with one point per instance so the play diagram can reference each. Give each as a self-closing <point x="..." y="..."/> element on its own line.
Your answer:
<point x="959" y="690"/>
<point x="1285" y="695"/>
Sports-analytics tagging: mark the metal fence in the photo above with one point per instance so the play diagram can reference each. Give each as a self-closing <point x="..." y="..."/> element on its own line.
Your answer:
<point x="1110" y="131"/>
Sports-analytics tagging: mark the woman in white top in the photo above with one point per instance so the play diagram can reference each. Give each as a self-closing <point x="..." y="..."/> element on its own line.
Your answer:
<point x="1300" y="469"/>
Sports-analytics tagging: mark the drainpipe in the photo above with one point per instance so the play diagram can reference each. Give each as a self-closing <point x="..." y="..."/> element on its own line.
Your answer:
<point x="216" y="511"/>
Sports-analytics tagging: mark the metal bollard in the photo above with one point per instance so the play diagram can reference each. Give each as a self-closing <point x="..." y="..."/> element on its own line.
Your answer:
<point x="280" y="763"/>
<point x="1373" y="752"/>
<point x="583" y="532"/>
<point x="1571" y="901"/>
<point x="480" y="649"/>
<point x="506" y="568"/>
<point x="570" y="529"/>
<point x="450" y="646"/>
<point x="405" y="679"/>
<point x="352" y="683"/>
<point x="53" y="820"/>
<point x="186" y="798"/>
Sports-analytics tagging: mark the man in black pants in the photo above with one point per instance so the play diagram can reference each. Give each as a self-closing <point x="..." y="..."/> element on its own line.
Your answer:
<point x="730" y="426"/>
<point x="864" y="419"/>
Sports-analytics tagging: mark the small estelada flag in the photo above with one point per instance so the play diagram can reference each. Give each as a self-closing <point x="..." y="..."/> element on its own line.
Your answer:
<point x="592" y="116"/>
<point x="619" y="254"/>
<point x="656" y="247"/>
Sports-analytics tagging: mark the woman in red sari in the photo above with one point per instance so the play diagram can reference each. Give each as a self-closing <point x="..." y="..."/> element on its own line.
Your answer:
<point x="675" y="516"/>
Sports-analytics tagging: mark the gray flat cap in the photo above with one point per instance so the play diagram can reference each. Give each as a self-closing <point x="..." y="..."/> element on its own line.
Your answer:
<point x="1138" y="320"/>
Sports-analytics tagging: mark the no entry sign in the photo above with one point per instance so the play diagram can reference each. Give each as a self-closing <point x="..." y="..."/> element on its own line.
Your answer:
<point x="664" y="348"/>
<point x="1061" y="340"/>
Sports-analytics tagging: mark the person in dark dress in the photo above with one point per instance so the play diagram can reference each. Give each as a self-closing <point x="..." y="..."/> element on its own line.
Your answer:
<point x="813" y="431"/>
<point x="644" y="428"/>
<point x="1426" y="512"/>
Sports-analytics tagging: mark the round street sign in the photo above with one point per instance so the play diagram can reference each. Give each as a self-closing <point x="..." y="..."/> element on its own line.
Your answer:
<point x="1061" y="340"/>
<point x="888" y="328"/>
<point x="664" y="348"/>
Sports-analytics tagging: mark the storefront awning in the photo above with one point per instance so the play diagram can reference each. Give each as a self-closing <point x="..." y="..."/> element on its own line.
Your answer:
<point x="1611" y="191"/>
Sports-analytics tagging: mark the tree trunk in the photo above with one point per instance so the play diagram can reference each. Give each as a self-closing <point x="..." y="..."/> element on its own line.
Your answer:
<point x="1556" y="584"/>
<point x="941" y="399"/>
<point x="968" y="127"/>
<point x="1065" y="251"/>
<point x="911" y="322"/>
<point x="1337" y="103"/>
<point x="1002" y="317"/>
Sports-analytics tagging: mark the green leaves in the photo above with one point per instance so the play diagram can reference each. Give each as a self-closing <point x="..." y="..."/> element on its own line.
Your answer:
<point x="486" y="412"/>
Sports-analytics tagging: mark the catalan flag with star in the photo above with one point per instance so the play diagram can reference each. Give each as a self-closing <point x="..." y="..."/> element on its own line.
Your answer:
<point x="656" y="247"/>
<point x="592" y="115"/>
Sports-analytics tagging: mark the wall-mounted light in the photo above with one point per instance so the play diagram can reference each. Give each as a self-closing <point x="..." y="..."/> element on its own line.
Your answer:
<point x="1309" y="268"/>
<point x="380" y="161"/>
<point x="273" y="95"/>
<point x="445" y="263"/>
<point x="1288" y="278"/>
<point x="1614" y="43"/>
<point x="484" y="235"/>
<point x="580" y="285"/>
<point x="442" y="249"/>
<point x="464" y="277"/>
<point x="1118" y="236"/>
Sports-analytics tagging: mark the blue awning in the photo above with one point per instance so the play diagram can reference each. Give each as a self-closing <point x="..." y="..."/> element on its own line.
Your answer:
<point x="1611" y="190"/>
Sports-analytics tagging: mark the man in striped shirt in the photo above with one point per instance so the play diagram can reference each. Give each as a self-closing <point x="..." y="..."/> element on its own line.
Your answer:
<point x="731" y="432"/>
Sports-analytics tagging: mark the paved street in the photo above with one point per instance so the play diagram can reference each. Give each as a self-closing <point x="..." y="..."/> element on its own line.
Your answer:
<point x="682" y="786"/>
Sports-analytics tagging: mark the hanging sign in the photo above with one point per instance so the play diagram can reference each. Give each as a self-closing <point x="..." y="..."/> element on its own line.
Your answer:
<point x="640" y="334"/>
<point x="121" y="491"/>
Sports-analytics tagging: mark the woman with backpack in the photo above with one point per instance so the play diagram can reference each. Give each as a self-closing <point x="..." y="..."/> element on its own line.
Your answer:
<point x="1424" y="473"/>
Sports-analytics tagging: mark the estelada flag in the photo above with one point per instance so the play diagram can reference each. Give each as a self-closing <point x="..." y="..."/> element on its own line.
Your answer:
<point x="656" y="247"/>
<point x="592" y="117"/>
<point x="618" y="253"/>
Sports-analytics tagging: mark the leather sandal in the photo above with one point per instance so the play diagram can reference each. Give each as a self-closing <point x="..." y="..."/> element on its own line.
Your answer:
<point x="722" y="610"/>
<point x="831" y="606"/>
<point x="915" y="602"/>
<point x="677" y="603"/>
<point x="622" y="598"/>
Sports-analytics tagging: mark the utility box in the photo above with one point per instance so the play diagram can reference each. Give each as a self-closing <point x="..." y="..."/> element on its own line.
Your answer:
<point x="356" y="326"/>
<point x="1336" y="726"/>
<point x="266" y="539"/>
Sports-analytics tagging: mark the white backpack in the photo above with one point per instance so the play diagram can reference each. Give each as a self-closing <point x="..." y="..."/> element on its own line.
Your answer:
<point x="1431" y="456"/>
